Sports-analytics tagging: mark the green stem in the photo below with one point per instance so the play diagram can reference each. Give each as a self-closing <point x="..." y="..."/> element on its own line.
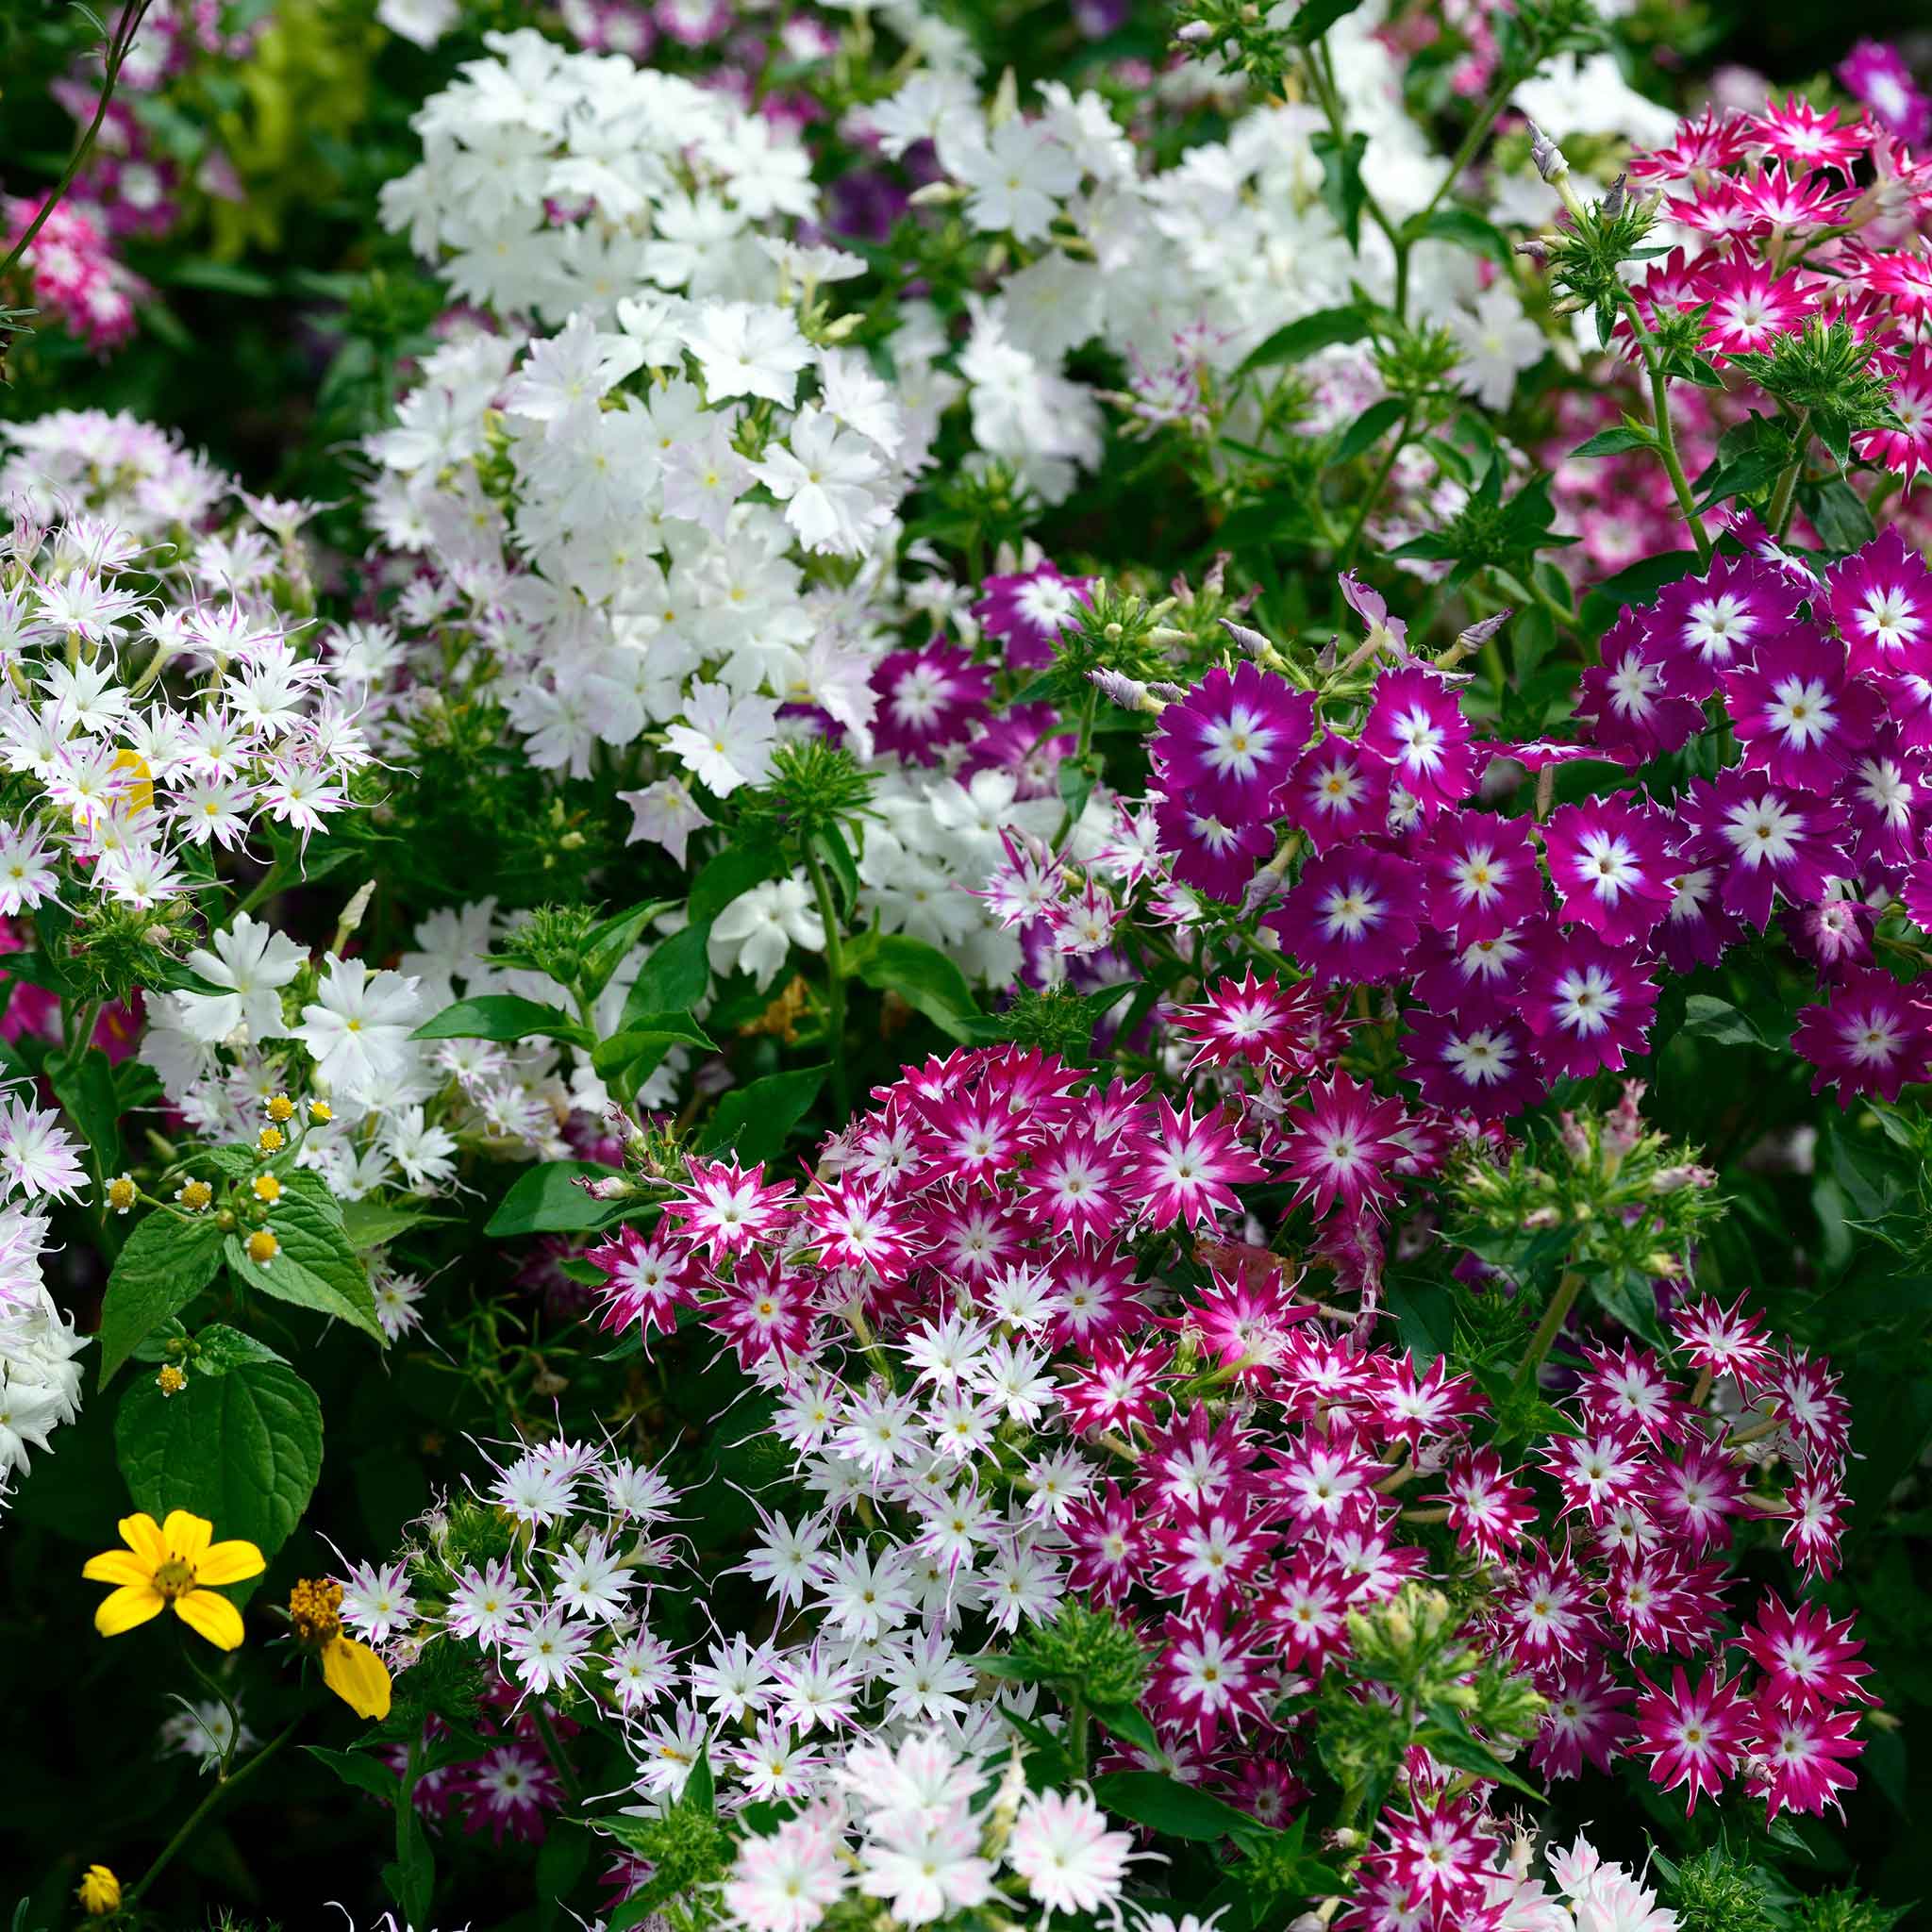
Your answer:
<point x="1076" y="1735"/>
<point x="566" y="1771"/>
<point x="118" y="44"/>
<point x="222" y="1788"/>
<point x="1786" y="499"/>
<point x="1547" y="1329"/>
<point x="1666" y="434"/>
<point x="835" y="983"/>
<point x="1082" y="746"/>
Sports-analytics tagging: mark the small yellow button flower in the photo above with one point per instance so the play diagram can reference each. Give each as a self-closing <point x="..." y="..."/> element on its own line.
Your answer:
<point x="171" y="1380"/>
<point x="321" y="1112"/>
<point x="350" y="1669"/>
<point x="194" y="1196"/>
<point x="123" y="1193"/>
<point x="172" y="1563"/>
<point x="99" y="1891"/>
<point x="262" y="1246"/>
<point x="267" y="1188"/>
<point x="269" y="1140"/>
<point x="281" y="1109"/>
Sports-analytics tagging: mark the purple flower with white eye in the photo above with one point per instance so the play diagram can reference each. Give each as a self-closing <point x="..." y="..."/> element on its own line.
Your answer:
<point x="1869" y="1037"/>
<point x="1835" y="935"/>
<point x="1353" y="916"/>
<point x="1451" y="977"/>
<point x="1480" y="1061"/>
<point x="1232" y="741"/>
<point x="1483" y="874"/>
<point x="1213" y="857"/>
<point x="1886" y="793"/>
<point x="1762" y="838"/>
<point x="1881" y="601"/>
<point x="929" y="699"/>
<point x="1028" y="741"/>
<point x="1628" y="699"/>
<point x="1416" y="724"/>
<point x="1589" y="1005"/>
<point x="1373" y="609"/>
<point x="1874" y="73"/>
<point x="1336" y="792"/>
<point x="1613" y="864"/>
<point x="1695" y="930"/>
<point x="1028" y="610"/>
<point x="1796" y="711"/>
<point x="1704" y="625"/>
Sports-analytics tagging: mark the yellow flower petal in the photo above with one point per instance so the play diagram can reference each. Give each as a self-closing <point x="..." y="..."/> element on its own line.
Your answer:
<point x="229" y="1562"/>
<point x="186" y="1534"/>
<point x="213" y="1617"/>
<point x="142" y="1534"/>
<point x="356" y="1675"/>
<point x="123" y="1608"/>
<point x="118" y="1566"/>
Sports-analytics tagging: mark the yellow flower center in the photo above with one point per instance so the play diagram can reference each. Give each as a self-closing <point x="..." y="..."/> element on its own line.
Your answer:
<point x="174" y="1577"/>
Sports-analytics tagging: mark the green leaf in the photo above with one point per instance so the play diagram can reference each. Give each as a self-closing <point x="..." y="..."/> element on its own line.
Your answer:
<point x="1636" y="584"/>
<point x="673" y="979"/>
<point x="1129" y="1721"/>
<point x="219" y="1348"/>
<point x="1461" y="228"/>
<point x="1707" y="1017"/>
<point x="166" y="1264"/>
<point x="1369" y="428"/>
<point x="755" y="1121"/>
<point x="1839" y="513"/>
<point x="1165" y="1804"/>
<point x="1307" y="334"/>
<point x="243" y="1449"/>
<point x="733" y="873"/>
<point x="502" y="1016"/>
<point x="1615" y="443"/>
<point x="314" y="1265"/>
<point x="359" y="1771"/>
<point x="610" y="943"/>
<point x="647" y="1033"/>
<point x="372" y="1224"/>
<point x="701" y="1787"/>
<point x="1316" y="16"/>
<point x="925" y="978"/>
<point x="1343" y="189"/>
<point x="85" y="1087"/>
<point x="828" y="843"/>
<point x="547" y="1199"/>
<point x="1447" y="1739"/>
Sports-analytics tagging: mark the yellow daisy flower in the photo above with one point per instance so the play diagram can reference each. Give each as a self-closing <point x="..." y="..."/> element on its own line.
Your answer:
<point x="99" y="1891"/>
<point x="172" y="1562"/>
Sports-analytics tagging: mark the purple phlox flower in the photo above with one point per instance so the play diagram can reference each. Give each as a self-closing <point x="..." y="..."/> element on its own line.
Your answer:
<point x="1868" y="1036"/>
<point x="1797" y="711"/>
<point x="1881" y="601"/>
<point x="1027" y="611"/>
<point x="1704" y="625"/>
<point x="1336" y="791"/>
<point x="1417" y="726"/>
<point x="1613" y="863"/>
<point x="1762" y="838"/>
<point x="929" y="699"/>
<point x="1229" y="746"/>
<point x="1215" y="857"/>
<point x="1627" y="697"/>
<point x="1589" y="1005"/>
<point x="1483" y="874"/>
<point x="1353" y="916"/>
<point x="1479" y="1061"/>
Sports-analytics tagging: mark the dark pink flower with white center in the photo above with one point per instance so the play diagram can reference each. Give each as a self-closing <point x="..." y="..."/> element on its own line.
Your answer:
<point x="1190" y="1168"/>
<point x="1415" y="723"/>
<point x="1808" y="1396"/>
<point x="1881" y="601"/>
<point x="929" y="699"/>
<point x="1245" y="1019"/>
<point x="1306" y="1611"/>
<point x="1868" y="1036"/>
<point x="1029" y="610"/>
<point x="1695" y="930"/>
<point x="1694" y="1736"/>
<point x="1209" y="853"/>
<point x="1108" y="1533"/>
<point x="1704" y="625"/>
<point x="1439" y="1855"/>
<point x="1243" y="1324"/>
<point x="1208" y="1675"/>
<point x="728" y="1208"/>
<point x="1323" y="1480"/>
<point x="1413" y="1407"/>
<point x="1906" y="450"/>
<point x="857" y="1224"/>
<point x="1477" y="1060"/>
<point x="1815" y="1522"/>
<point x="1093" y="1297"/>
<point x="1776" y="196"/>
<point x="1482" y="874"/>
<point x="1336" y="792"/>
<point x="1750" y="305"/>
<point x="1797" y="712"/>
<point x="1724" y="1341"/>
<point x="1083" y="1184"/>
<point x="1612" y="864"/>
<point x="1800" y="133"/>
<point x="1598" y="1471"/>
<point x="1628" y="697"/>
<point x="1477" y="977"/>
<point x="1833" y="934"/>
<point x="1353" y="916"/>
<point x="1586" y="1717"/>
<point x="648" y="1278"/>
<point x="1627" y="1386"/>
<point x="1875" y="74"/>
<point x="1809" y="1662"/>
<point x="1197" y="1462"/>
<point x="1545" y="1608"/>
<point x="1228" y="745"/>
<point x="1799" y="1759"/>
<point x="1762" y="838"/>
<point x="1209" y="1556"/>
<point x="967" y="1236"/>
<point x="1885" y="794"/>
<point x="1589" y="1006"/>
<point x="1342" y="1151"/>
<point x="1116" y="1387"/>
<point x="1717" y="139"/>
<point x="1695" y="1499"/>
<point x="1487" y="1513"/>
<point x="764" y="1310"/>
